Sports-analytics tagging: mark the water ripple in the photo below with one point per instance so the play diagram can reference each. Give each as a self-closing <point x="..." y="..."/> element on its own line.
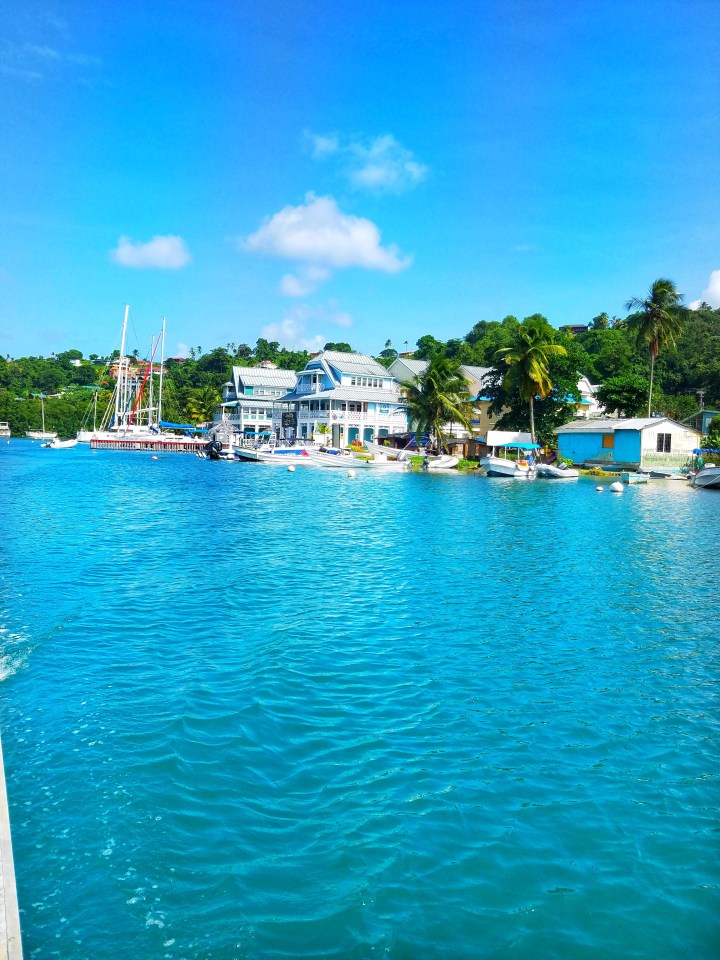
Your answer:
<point x="248" y="713"/>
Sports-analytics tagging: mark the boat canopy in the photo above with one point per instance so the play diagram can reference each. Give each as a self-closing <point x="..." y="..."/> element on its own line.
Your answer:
<point x="181" y="426"/>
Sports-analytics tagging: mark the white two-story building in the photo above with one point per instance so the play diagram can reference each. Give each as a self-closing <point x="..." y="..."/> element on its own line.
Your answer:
<point x="352" y="394"/>
<point x="249" y="398"/>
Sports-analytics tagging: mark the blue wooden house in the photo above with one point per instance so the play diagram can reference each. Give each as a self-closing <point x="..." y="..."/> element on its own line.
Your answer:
<point x="654" y="443"/>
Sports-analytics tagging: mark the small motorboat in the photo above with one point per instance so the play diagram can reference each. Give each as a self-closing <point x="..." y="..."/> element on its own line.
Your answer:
<point x="57" y="444"/>
<point x="556" y="471"/>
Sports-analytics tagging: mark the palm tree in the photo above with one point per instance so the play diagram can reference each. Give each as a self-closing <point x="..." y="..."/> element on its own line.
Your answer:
<point x="656" y="322"/>
<point x="436" y="397"/>
<point x="201" y="403"/>
<point x="527" y="362"/>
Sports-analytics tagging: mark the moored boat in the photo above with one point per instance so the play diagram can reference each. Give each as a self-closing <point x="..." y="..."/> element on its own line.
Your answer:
<point x="633" y="478"/>
<point x="552" y="471"/>
<point x="708" y="478"/>
<point x="273" y="453"/>
<point x="135" y="412"/>
<point x="522" y="466"/>
<point x="41" y="434"/>
<point x="58" y="444"/>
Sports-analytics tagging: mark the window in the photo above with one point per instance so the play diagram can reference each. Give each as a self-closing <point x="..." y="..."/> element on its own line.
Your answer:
<point x="608" y="441"/>
<point x="664" y="442"/>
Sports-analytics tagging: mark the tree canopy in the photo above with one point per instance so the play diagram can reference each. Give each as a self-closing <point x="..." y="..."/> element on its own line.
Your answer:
<point x="612" y="353"/>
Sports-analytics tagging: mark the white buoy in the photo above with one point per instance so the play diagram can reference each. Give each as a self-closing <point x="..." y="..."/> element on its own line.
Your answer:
<point x="153" y="458"/>
<point x="291" y="469"/>
<point x="599" y="489"/>
<point x="351" y="473"/>
<point x="616" y="487"/>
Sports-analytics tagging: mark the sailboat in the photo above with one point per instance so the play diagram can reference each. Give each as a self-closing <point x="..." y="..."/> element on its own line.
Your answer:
<point x="133" y="412"/>
<point x="41" y="434"/>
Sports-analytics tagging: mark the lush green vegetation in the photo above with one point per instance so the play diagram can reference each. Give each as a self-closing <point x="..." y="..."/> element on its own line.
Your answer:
<point x="437" y="397"/>
<point x="611" y="352"/>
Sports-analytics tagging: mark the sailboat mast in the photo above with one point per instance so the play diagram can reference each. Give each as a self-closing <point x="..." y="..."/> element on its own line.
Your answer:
<point x="153" y="345"/>
<point x="162" y="370"/>
<point x="120" y="397"/>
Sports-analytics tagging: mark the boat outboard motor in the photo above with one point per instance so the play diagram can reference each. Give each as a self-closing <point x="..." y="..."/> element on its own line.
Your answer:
<point x="213" y="449"/>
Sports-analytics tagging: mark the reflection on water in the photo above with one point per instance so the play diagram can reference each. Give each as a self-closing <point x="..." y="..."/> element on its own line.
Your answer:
<point x="253" y="713"/>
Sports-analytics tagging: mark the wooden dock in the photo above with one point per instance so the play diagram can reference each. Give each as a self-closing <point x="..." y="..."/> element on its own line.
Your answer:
<point x="161" y="445"/>
<point x="10" y="942"/>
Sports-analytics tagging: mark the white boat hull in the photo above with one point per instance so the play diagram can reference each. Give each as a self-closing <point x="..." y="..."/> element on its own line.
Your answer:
<point x="441" y="463"/>
<point x="277" y="455"/>
<point x="60" y="444"/>
<point x="548" y="471"/>
<point x="502" y="467"/>
<point x="334" y="460"/>
<point x="708" y="478"/>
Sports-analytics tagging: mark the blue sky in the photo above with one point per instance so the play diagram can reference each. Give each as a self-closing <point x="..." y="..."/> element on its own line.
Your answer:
<point x="310" y="171"/>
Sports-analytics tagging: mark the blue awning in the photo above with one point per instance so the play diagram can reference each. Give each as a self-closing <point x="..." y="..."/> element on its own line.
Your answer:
<point x="706" y="450"/>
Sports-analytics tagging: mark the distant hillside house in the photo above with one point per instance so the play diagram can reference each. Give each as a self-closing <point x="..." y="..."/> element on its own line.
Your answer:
<point x="588" y="406"/>
<point x="352" y="394"/>
<point x="648" y="443"/>
<point x="701" y="420"/>
<point x="406" y="369"/>
<point x="249" y="396"/>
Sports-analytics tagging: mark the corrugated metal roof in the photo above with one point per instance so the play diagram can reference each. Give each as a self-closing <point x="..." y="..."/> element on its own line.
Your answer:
<point x="415" y="366"/>
<point x="353" y="363"/>
<point x="597" y="425"/>
<point x="356" y="394"/>
<point x="262" y="377"/>
<point x="477" y="373"/>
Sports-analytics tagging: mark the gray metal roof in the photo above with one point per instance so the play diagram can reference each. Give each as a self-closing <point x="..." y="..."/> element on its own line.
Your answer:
<point x="353" y="394"/>
<point x="264" y="377"/>
<point x="606" y="425"/>
<point x="476" y="373"/>
<point x="416" y="367"/>
<point x="353" y="363"/>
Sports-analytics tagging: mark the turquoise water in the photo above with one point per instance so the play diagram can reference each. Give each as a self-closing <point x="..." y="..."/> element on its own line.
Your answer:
<point x="248" y="713"/>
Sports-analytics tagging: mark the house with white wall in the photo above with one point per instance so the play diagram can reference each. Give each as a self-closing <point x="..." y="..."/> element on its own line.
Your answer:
<point x="405" y="369"/>
<point x="249" y="396"/>
<point x="351" y="393"/>
<point x="648" y="443"/>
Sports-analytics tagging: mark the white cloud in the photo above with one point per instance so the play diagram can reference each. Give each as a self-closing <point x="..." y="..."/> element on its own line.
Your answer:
<point x="33" y="61"/>
<point x="304" y="281"/>
<point x="160" y="253"/>
<point x="711" y="293"/>
<point x="380" y="165"/>
<point x="323" y="146"/>
<point x="319" y="234"/>
<point x="292" y="331"/>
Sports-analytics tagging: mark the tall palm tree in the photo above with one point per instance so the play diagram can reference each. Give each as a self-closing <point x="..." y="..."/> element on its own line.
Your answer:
<point x="656" y="321"/>
<point x="437" y="397"/>
<point x="527" y="362"/>
<point x="201" y="403"/>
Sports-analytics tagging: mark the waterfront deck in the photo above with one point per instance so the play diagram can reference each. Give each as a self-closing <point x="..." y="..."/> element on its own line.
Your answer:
<point x="161" y="445"/>
<point x="10" y="942"/>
